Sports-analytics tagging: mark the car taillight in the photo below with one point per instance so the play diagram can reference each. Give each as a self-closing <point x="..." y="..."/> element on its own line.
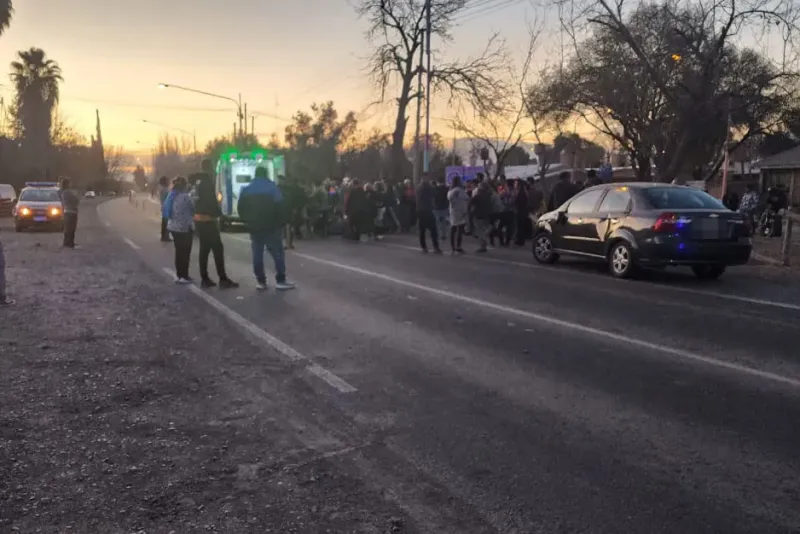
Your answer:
<point x="666" y="222"/>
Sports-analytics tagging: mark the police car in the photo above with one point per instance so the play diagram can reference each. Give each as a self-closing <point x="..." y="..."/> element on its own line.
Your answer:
<point x="39" y="206"/>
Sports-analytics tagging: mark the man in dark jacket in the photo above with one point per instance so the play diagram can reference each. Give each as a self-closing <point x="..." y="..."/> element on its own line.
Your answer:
<point x="262" y="209"/>
<point x="206" y="222"/>
<point x="69" y="205"/>
<point x="480" y="208"/>
<point x="163" y="191"/>
<point x="562" y="191"/>
<point x="425" y="216"/>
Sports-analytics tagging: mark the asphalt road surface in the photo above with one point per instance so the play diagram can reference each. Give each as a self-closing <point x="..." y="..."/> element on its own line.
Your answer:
<point x="515" y="398"/>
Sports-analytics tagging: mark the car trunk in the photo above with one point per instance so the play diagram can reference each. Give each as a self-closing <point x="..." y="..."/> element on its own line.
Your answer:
<point x="711" y="225"/>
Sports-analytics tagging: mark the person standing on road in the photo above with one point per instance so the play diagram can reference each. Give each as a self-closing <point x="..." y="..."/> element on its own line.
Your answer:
<point x="425" y="216"/>
<point x="562" y="192"/>
<point x="481" y="210"/>
<point x="69" y="205"/>
<point x="458" y="202"/>
<point x="179" y="210"/>
<point x="163" y="191"/>
<point x="441" y="208"/>
<point x="206" y="221"/>
<point x="262" y="208"/>
<point x="522" y="227"/>
<point x="4" y="300"/>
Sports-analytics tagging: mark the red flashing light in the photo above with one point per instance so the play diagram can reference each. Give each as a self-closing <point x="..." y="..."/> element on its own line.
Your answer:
<point x="666" y="222"/>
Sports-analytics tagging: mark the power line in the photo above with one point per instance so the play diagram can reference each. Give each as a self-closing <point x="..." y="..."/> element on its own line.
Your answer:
<point x="498" y="5"/>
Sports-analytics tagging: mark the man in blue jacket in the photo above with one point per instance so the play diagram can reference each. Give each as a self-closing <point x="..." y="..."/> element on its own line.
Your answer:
<point x="262" y="208"/>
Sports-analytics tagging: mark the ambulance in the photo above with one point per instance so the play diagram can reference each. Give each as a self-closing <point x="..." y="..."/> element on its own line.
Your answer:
<point x="237" y="169"/>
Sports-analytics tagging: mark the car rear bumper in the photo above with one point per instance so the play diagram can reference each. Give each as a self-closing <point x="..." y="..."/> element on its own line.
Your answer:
<point x="696" y="253"/>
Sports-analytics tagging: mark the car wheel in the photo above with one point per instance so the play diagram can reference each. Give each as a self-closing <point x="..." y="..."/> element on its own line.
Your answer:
<point x="620" y="260"/>
<point x="543" y="249"/>
<point x="708" y="272"/>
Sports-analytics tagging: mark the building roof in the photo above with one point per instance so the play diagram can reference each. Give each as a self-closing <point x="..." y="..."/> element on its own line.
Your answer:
<point x="789" y="159"/>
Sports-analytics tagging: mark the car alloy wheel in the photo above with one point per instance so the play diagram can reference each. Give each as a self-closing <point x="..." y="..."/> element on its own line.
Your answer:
<point x="621" y="260"/>
<point x="543" y="249"/>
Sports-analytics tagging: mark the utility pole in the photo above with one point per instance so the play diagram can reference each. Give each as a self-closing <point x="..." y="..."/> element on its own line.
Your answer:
<point x="428" y="88"/>
<point x="253" y="125"/>
<point x="241" y="115"/>
<point x="415" y="173"/>
<point x="245" y="118"/>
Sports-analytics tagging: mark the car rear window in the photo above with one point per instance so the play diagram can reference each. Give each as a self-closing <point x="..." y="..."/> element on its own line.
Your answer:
<point x="7" y="191"/>
<point x="39" y="195"/>
<point x="680" y="198"/>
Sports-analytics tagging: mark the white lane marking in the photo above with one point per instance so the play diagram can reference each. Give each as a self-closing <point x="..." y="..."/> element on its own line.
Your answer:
<point x="630" y="341"/>
<point x="131" y="244"/>
<point x="329" y="378"/>
<point x="703" y="292"/>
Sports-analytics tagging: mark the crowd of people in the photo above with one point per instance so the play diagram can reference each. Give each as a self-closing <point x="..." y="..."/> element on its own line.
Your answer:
<point x="491" y="210"/>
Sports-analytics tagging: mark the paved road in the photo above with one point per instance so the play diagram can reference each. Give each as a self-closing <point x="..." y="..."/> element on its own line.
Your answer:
<point x="513" y="398"/>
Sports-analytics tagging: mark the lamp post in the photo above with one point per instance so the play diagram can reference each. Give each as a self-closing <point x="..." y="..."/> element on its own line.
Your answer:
<point x="238" y="102"/>
<point x="187" y="132"/>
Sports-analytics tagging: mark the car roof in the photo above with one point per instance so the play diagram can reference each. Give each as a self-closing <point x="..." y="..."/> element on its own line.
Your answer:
<point x="634" y="185"/>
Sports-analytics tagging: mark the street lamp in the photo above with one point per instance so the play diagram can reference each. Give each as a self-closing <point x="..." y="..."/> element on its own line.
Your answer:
<point x="168" y="127"/>
<point x="238" y="102"/>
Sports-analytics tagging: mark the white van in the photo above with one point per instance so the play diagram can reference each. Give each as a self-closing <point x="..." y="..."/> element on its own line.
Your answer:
<point x="235" y="171"/>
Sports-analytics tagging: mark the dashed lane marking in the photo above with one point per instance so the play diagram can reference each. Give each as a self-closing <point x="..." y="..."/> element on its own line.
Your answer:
<point x="597" y="332"/>
<point x="317" y="370"/>
<point x="131" y="244"/>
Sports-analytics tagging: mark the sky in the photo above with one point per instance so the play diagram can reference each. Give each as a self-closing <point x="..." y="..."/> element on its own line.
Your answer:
<point x="280" y="55"/>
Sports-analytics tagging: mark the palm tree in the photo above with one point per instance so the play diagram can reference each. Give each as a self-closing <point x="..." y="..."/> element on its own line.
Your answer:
<point x="6" y="12"/>
<point x="36" y="82"/>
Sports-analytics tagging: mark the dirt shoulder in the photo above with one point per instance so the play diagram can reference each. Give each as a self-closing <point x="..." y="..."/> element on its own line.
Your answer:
<point x="128" y="406"/>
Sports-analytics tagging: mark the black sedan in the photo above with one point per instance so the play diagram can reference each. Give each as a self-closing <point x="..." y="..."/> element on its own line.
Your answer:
<point x="645" y="225"/>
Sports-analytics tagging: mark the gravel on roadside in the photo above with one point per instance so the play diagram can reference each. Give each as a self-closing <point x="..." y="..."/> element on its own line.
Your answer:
<point x="128" y="406"/>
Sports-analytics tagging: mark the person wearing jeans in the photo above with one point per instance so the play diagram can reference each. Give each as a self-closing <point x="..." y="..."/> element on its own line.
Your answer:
<point x="4" y="300"/>
<point x="262" y="208"/>
<point x="179" y="210"/>
<point x="441" y="209"/>
<point x="69" y="205"/>
<point x="427" y="220"/>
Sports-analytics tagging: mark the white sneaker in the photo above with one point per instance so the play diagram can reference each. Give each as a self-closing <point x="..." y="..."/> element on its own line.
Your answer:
<point x="261" y="287"/>
<point x="284" y="286"/>
<point x="183" y="281"/>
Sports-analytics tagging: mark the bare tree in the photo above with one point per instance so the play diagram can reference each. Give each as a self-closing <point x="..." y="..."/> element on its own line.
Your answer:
<point x="396" y="30"/>
<point x="503" y="127"/>
<point x="679" y="56"/>
<point x="117" y="163"/>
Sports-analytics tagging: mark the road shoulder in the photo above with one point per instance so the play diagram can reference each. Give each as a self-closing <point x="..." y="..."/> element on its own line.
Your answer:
<point x="128" y="406"/>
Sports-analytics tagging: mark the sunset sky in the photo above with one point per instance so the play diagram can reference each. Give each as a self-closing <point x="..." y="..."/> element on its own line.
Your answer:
<point x="281" y="56"/>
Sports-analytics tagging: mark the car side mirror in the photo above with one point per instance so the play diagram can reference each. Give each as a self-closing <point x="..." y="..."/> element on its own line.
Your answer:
<point x="561" y="217"/>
